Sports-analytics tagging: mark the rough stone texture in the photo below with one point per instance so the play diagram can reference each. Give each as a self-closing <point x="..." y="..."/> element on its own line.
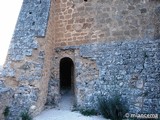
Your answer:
<point x="24" y="67"/>
<point x="130" y="67"/>
<point x="54" y="96"/>
<point x="78" y="22"/>
<point x="5" y="98"/>
<point x="25" y="97"/>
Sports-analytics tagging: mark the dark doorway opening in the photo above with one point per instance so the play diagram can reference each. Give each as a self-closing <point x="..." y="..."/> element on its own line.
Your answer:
<point x="66" y="74"/>
<point x="66" y="83"/>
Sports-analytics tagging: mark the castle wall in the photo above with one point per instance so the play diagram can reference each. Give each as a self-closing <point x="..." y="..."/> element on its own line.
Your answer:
<point x="78" y="22"/>
<point x="27" y="67"/>
<point x="127" y="68"/>
<point x="5" y="99"/>
<point x="44" y="25"/>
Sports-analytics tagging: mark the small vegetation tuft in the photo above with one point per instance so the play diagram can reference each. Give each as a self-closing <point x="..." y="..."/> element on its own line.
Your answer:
<point x="88" y="112"/>
<point x="26" y="116"/>
<point x="112" y="108"/>
<point x="6" y="112"/>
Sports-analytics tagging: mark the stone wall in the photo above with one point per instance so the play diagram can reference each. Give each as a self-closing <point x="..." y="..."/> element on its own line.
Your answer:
<point x="54" y="82"/>
<point x="6" y="96"/>
<point x="130" y="68"/>
<point x="78" y="22"/>
<point x="44" y="25"/>
<point x="85" y="21"/>
<point x="27" y="67"/>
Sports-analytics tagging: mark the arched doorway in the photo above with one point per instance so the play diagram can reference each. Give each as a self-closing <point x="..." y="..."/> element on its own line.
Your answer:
<point x="66" y="75"/>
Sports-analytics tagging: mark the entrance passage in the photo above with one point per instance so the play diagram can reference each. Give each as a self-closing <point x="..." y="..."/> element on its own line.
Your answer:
<point x="66" y="83"/>
<point x="66" y="74"/>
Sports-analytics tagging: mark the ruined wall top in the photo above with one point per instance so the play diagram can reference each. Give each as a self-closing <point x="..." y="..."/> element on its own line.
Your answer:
<point x="32" y="22"/>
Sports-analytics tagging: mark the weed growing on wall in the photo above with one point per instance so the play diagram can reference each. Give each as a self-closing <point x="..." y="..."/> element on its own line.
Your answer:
<point x="26" y="116"/>
<point x="6" y="112"/>
<point x="112" y="108"/>
<point x="88" y="112"/>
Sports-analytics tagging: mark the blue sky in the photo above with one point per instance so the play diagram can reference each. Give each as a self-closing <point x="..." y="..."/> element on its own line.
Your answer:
<point x="9" y="11"/>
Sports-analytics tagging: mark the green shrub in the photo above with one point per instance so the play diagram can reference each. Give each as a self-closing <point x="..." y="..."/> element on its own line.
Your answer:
<point x="112" y="108"/>
<point x="6" y="112"/>
<point x="26" y="116"/>
<point x="88" y="112"/>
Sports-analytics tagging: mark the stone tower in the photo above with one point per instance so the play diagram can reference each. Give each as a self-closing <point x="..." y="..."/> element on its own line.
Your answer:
<point x="109" y="46"/>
